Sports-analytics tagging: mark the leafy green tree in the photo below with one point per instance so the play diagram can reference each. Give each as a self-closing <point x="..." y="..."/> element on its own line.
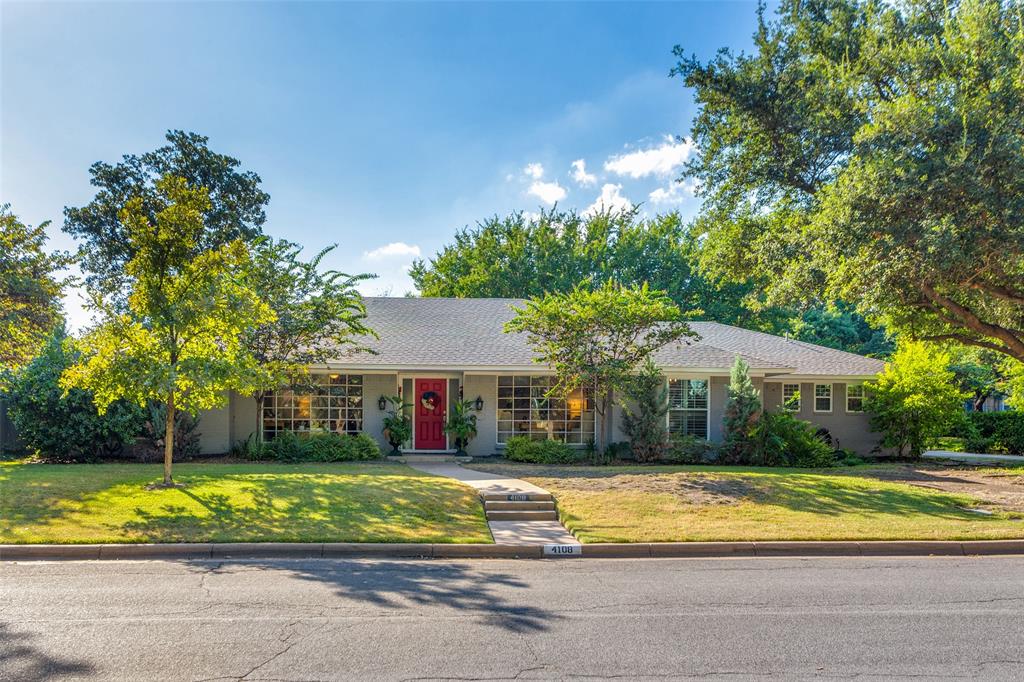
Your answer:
<point x="235" y="209"/>
<point x="742" y="410"/>
<point x="872" y="153"/>
<point x="522" y="257"/>
<point x="179" y="341"/>
<point x="318" y="315"/>
<point x="839" y="326"/>
<point x="981" y="373"/>
<point x="915" y="399"/>
<point x="596" y="338"/>
<point x="67" y="425"/>
<point x="644" y="414"/>
<point x="30" y="290"/>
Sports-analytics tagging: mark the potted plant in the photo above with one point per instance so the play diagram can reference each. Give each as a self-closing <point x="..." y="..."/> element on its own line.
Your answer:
<point x="397" y="426"/>
<point x="461" y="425"/>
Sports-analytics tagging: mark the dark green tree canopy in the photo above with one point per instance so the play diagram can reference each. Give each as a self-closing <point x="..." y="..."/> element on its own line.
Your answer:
<point x="235" y="210"/>
<point x="522" y="257"/>
<point x="874" y="153"/>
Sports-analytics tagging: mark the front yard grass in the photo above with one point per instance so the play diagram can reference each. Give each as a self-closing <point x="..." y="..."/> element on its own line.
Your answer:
<point x="108" y="503"/>
<point x="708" y="503"/>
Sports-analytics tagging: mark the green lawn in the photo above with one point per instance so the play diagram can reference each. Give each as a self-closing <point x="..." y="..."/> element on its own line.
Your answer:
<point x="662" y="504"/>
<point x="85" y="503"/>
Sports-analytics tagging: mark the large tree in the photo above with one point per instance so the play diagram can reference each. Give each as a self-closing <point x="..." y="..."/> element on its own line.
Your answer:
<point x="318" y="314"/>
<point x="235" y="209"/>
<point x="597" y="339"/>
<point x="872" y="152"/>
<point x="522" y="256"/>
<point x="30" y="290"/>
<point x="179" y="342"/>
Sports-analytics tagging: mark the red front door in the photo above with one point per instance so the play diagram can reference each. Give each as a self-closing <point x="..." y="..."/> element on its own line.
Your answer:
<point x="431" y="407"/>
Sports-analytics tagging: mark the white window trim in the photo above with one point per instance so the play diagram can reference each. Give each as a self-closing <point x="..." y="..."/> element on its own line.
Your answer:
<point x="862" y="397"/>
<point x="831" y="399"/>
<point x="799" y="396"/>
<point x="499" y="444"/>
<point x="707" y="410"/>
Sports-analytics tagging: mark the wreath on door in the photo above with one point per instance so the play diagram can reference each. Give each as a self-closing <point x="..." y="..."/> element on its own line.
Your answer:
<point x="430" y="400"/>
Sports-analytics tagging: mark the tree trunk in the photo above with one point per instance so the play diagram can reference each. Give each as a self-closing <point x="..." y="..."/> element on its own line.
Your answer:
<point x="979" y="401"/>
<point x="605" y="417"/>
<point x="169" y="440"/>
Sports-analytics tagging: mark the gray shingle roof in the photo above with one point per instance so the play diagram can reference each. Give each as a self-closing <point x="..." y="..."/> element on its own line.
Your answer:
<point x="466" y="333"/>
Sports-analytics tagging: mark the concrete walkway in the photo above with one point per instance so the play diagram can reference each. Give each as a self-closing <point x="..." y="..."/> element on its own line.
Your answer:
<point x="493" y="486"/>
<point x="973" y="458"/>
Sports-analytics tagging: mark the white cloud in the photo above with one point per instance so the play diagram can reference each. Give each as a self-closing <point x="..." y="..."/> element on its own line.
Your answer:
<point x="662" y="160"/>
<point x="675" y="193"/>
<point x="548" y="192"/>
<point x="393" y="250"/>
<point x="534" y="170"/>
<point x="580" y="174"/>
<point x="611" y="199"/>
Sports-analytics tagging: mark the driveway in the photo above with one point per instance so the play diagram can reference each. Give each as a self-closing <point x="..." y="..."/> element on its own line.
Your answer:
<point x="934" y="618"/>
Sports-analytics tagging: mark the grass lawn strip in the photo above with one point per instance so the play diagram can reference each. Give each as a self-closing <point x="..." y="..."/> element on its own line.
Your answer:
<point x="709" y="503"/>
<point x="358" y="502"/>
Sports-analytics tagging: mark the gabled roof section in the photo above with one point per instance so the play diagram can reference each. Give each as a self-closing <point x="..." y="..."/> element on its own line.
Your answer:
<point x="467" y="333"/>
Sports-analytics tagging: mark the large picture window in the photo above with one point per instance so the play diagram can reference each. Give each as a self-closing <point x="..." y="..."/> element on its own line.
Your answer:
<point x="332" y="402"/>
<point x="525" y="410"/>
<point x="688" y="406"/>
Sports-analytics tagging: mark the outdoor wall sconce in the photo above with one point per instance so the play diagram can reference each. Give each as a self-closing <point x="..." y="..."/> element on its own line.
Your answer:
<point x="382" y="403"/>
<point x="478" y="403"/>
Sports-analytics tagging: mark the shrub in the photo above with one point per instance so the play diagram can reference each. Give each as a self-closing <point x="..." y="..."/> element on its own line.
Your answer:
<point x="914" y="400"/>
<point x="316" y="447"/>
<point x="67" y="426"/>
<point x="741" y="415"/>
<point x="780" y="439"/>
<point x="397" y="426"/>
<point x="523" y="449"/>
<point x="686" y="449"/>
<point x="643" y="419"/>
<point x="186" y="433"/>
<point x="462" y="424"/>
<point x="996" y="431"/>
<point x="250" y="448"/>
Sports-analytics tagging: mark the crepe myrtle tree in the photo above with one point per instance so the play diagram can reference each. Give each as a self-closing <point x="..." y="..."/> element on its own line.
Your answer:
<point x="318" y="314"/>
<point x="597" y="338"/>
<point x="178" y="340"/>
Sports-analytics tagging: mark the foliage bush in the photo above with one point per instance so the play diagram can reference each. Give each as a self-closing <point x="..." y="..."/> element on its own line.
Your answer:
<point x="915" y="399"/>
<point x="780" y="439"/>
<point x="686" y="449"/>
<point x="67" y="427"/>
<point x="643" y="417"/>
<point x="397" y="427"/>
<point x="1001" y="432"/>
<point x="186" y="433"/>
<point x="461" y="424"/>
<point x="314" y="447"/>
<point x="523" y="449"/>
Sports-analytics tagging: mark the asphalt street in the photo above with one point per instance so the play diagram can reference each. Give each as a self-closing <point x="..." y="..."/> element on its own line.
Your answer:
<point x="931" y="618"/>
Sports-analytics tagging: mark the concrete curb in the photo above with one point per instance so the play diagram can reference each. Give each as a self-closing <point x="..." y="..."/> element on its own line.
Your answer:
<point x="640" y="550"/>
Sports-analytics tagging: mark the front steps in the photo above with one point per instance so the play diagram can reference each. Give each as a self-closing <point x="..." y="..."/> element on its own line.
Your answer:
<point x="428" y="459"/>
<point x="519" y="507"/>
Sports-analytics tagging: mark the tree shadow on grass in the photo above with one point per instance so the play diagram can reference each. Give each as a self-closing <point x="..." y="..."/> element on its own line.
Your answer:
<point x="307" y="509"/>
<point x="409" y="585"/>
<point x="20" y="660"/>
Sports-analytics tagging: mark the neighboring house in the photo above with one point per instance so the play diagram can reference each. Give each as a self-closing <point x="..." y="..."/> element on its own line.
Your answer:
<point x="433" y="351"/>
<point x="993" y="403"/>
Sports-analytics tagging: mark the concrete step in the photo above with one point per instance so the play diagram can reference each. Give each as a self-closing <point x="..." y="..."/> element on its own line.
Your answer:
<point x="495" y="505"/>
<point x="549" y="515"/>
<point x="427" y="459"/>
<point x="516" y="497"/>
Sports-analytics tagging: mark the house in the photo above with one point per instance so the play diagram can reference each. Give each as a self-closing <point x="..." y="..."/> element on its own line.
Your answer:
<point x="434" y="351"/>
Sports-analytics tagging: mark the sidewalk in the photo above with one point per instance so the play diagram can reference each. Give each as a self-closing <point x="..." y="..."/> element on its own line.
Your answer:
<point x="494" y="489"/>
<point x="974" y="458"/>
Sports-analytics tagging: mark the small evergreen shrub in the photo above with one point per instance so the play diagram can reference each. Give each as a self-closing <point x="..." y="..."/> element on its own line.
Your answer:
<point x="316" y="447"/>
<point x="523" y="449"/>
<point x="643" y="416"/>
<point x="742" y="410"/>
<point x="686" y="449"/>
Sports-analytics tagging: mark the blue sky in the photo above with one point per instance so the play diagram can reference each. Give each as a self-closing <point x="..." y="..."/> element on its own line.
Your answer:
<point x="381" y="127"/>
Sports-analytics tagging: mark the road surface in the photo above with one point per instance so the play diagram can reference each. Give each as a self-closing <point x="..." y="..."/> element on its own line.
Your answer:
<point x="934" y="618"/>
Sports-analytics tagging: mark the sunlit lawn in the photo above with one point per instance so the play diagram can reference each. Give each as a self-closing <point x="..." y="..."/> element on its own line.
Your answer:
<point x="658" y="504"/>
<point x="86" y="503"/>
